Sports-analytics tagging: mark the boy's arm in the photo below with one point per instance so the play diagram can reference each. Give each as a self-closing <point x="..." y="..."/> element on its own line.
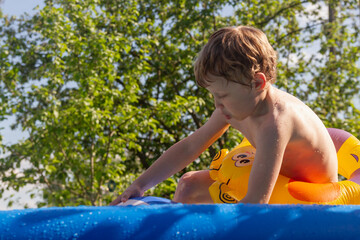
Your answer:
<point x="270" y="148"/>
<point x="178" y="156"/>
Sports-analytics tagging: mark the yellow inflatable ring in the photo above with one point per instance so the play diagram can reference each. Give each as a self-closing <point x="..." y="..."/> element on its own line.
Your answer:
<point x="231" y="170"/>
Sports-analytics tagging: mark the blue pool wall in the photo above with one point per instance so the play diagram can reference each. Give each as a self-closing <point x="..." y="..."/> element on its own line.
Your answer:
<point x="177" y="221"/>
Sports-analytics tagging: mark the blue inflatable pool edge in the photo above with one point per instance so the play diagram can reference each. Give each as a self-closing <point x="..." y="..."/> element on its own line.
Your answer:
<point x="178" y="221"/>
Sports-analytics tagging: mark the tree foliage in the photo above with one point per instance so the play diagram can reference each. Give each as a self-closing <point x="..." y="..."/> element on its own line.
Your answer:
<point x="104" y="87"/>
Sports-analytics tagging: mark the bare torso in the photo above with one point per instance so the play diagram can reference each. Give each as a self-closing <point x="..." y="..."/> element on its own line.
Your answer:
<point x="310" y="154"/>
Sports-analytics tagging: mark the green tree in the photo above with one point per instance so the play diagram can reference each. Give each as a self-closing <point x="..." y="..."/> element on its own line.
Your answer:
<point x="104" y="87"/>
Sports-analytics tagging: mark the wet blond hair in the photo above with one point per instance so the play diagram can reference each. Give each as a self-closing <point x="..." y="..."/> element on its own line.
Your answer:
<point x="237" y="54"/>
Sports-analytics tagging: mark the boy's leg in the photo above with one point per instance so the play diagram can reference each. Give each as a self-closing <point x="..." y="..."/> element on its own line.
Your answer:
<point x="193" y="187"/>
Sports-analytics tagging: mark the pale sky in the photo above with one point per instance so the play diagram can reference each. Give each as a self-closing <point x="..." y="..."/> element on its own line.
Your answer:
<point x="18" y="7"/>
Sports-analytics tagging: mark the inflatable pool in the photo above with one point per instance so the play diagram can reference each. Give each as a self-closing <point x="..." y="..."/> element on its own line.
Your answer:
<point x="178" y="221"/>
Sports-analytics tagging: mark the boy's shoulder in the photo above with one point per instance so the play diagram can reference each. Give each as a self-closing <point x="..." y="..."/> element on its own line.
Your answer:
<point x="287" y="105"/>
<point x="290" y="115"/>
<point x="284" y="112"/>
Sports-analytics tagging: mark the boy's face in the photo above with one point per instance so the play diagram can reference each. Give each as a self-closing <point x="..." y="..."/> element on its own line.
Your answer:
<point x="236" y="101"/>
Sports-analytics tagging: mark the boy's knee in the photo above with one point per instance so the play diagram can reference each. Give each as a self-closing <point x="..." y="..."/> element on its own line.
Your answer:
<point x="193" y="188"/>
<point x="192" y="182"/>
<point x="188" y="179"/>
<point x="186" y="189"/>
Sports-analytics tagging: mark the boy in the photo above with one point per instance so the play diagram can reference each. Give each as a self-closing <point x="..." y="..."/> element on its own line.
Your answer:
<point x="238" y="66"/>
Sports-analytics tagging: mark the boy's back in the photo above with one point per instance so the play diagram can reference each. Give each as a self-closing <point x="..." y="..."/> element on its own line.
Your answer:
<point x="310" y="154"/>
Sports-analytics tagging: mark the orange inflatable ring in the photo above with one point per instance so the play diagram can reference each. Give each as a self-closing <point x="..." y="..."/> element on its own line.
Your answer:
<point x="231" y="170"/>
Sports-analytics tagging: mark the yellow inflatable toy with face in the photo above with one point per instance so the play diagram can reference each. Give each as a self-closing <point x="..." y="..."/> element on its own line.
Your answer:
<point x="231" y="171"/>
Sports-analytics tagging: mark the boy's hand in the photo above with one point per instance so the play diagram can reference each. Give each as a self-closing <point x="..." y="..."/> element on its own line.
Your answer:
<point x="131" y="191"/>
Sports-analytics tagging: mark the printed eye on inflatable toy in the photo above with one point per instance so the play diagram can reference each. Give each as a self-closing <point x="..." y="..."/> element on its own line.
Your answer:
<point x="231" y="171"/>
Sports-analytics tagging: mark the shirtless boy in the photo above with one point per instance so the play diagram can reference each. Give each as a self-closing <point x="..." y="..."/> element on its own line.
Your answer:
<point x="238" y="66"/>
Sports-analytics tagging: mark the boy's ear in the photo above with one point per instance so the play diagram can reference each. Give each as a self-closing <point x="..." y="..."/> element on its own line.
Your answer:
<point x="259" y="81"/>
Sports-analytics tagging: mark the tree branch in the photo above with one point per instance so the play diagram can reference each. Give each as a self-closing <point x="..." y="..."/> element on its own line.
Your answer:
<point x="92" y="165"/>
<point x="276" y="14"/>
